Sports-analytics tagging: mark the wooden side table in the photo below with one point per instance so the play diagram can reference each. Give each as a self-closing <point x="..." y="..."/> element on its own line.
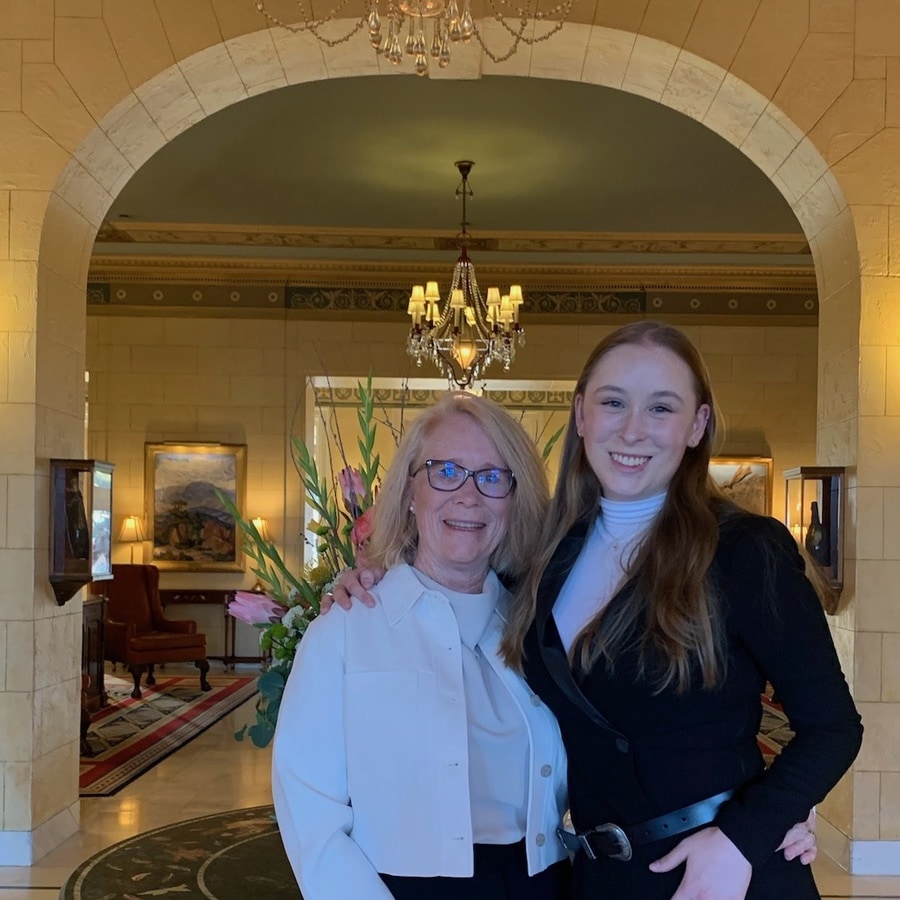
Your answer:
<point x="200" y="597"/>
<point x="171" y="596"/>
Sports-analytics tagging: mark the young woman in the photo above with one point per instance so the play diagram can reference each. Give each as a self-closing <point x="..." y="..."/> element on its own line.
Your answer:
<point x="655" y="615"/>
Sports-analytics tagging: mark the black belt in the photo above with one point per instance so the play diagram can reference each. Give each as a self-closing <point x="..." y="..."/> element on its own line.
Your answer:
<point x="616" y="841"/>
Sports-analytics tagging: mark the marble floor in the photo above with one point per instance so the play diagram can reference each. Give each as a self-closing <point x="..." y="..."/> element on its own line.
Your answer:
<point x="213" y="774"/>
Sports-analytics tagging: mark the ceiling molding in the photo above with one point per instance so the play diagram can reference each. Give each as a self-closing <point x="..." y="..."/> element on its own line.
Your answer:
<point x="278" y="273"/>
<point x="348" y="239"/>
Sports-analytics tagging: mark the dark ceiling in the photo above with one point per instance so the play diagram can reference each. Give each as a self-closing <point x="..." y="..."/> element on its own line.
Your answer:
<point x="378" y="153"/>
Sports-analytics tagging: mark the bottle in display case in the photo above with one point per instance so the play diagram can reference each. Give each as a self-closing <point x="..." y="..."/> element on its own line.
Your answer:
<point x="813" y="511"/>
<point x="80" y="524"/>
<point x="816" y="540"/>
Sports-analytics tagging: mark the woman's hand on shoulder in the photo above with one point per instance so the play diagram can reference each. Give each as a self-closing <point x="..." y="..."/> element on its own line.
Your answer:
<point x="353" y="584"/>
<point x="715" y="870"/>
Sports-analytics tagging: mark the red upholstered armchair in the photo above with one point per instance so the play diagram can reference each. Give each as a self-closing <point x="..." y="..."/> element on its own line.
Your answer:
<point x="137" y="632"/>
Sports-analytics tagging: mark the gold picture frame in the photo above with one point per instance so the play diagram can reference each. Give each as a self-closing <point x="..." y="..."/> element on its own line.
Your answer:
<point x="189" y="528"/>
<point x="747" y="480"/>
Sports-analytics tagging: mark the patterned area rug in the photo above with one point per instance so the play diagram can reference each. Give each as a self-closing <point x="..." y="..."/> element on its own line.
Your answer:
<point x="229" y="856"/>
<point x="774" y="731"/>
<point x="130" y="736"/>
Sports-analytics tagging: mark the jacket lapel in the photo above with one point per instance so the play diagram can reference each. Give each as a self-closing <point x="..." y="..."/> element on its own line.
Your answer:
<point x="553" y="653"/>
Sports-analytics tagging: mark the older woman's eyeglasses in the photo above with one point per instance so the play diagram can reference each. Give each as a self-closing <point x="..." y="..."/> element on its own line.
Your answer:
<point x="446" y="475"/>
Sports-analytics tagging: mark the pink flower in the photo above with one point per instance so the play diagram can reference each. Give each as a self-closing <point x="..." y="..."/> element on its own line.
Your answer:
<point x="353" y="489"/>
<point x="255" y="609"/>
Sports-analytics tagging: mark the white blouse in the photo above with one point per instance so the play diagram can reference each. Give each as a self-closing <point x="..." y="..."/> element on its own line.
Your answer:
<point x="498" y="739"/>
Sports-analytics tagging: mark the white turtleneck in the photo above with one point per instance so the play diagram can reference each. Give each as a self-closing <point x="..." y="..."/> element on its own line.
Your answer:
<point x="617" y="533"/>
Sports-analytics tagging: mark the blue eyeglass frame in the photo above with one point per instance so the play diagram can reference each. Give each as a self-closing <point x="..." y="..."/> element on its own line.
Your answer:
<point x="470" y="473"/>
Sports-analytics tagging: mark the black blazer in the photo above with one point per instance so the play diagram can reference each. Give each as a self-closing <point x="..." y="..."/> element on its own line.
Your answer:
<point x="635" y="754"/>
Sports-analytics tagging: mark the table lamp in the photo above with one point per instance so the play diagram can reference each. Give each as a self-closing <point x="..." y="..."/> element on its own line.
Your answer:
<point x="132" y="532"/>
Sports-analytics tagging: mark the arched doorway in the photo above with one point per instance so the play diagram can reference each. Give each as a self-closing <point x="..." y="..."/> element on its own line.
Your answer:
<point x="134" y="123"/>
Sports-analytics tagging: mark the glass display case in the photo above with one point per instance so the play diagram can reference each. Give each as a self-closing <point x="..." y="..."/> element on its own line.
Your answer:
<point x="813" y="511"/>
<point x="80" y="524"/>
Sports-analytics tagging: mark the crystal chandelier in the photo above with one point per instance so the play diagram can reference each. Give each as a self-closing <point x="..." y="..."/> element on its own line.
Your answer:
<point x="469" y="333"/>
<point x="449" y="25"/>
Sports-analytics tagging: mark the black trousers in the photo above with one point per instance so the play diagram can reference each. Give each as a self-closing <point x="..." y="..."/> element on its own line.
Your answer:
<point x="501" y="873"/>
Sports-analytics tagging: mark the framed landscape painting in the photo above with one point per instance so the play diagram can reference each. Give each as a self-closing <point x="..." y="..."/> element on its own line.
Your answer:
<point x="747" y="480"/>
<point x="189" y="528"/>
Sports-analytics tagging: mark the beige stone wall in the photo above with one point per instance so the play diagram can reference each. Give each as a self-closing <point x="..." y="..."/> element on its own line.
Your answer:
<point x="243" y="381"/>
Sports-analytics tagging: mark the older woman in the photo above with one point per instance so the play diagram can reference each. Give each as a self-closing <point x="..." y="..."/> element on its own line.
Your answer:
<point x="409" y="761"/>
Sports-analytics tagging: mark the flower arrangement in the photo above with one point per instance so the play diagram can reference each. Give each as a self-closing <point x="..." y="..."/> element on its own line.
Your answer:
<point x="290" y="602"/>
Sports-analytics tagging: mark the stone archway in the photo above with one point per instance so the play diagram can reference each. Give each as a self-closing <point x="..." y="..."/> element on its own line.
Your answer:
<point x="58" y="231"/>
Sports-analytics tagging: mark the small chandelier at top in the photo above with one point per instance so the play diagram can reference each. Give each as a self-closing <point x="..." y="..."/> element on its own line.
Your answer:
<point x="469" y="333"/>
<point x="449" y="25"/>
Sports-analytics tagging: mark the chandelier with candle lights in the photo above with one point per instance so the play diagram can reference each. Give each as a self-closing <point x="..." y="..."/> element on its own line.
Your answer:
<point x="405" y="33"/>
<point x="469" y="333"/>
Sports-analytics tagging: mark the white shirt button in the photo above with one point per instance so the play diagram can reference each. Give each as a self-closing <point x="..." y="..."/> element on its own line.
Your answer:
<point x="539" y="840"/>
<point x="535" y="700"/>
<point x="546" y="770"/>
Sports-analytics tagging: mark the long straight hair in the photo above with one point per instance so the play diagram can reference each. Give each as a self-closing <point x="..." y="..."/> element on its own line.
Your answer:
<point x="673" y="612"/>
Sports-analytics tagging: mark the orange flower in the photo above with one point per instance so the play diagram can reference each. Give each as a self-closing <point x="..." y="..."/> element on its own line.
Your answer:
<point x="360" y="534"/>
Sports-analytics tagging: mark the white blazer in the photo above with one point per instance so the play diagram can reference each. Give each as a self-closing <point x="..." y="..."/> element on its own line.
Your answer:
<point x="370" y="763"/>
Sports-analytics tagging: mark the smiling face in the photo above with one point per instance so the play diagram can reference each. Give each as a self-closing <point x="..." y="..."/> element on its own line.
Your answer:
<point x="458" y="530"/>
<point x="637" y="416"/>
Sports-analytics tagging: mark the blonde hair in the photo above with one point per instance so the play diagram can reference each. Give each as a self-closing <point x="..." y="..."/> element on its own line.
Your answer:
<point x="674" y="607"/>
<point x="395" y="535"/>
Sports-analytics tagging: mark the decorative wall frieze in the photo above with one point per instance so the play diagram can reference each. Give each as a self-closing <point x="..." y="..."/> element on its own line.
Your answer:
<point x="323" y="287"/>
<point x="410" y="398"/>
<point x="364" y="301"/>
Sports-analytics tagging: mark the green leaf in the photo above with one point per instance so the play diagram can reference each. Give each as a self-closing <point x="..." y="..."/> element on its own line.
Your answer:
<point x="271" y="684"/>
<point x="548" y="447"/>
<point x="261" y="733"/>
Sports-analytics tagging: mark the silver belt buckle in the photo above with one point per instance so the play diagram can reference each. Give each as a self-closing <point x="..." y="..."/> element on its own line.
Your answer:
<point x="624" y="845"/>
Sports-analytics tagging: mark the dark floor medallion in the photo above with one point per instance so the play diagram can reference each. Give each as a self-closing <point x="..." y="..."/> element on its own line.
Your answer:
<point x="228" y="856"/>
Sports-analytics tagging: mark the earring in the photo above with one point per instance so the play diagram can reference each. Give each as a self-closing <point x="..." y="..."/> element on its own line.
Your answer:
<point x="412" y="509"/>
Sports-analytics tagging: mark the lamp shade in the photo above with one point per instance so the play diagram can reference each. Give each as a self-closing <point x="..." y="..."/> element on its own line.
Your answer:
<point x="262" y="526"/>
<point x="132" y="530"/>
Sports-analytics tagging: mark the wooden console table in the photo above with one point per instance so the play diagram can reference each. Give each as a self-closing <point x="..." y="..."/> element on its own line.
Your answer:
<point x="93" y="688"/>
<point x="217" y="597"/>
<point x="93" y="615"/>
